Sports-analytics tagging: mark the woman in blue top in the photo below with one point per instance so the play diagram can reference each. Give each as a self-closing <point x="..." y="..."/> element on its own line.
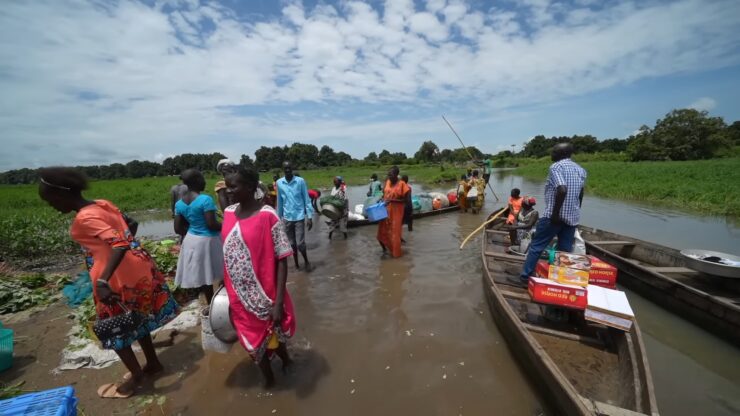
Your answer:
<point x="201" y="260"/>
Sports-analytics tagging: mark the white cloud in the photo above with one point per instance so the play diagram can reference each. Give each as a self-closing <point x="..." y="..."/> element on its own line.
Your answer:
<point x="703" y="104"/>
<point x="191" y="76"/>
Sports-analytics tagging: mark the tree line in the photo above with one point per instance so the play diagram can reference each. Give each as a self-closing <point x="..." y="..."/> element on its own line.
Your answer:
<point x="684" y="134"/>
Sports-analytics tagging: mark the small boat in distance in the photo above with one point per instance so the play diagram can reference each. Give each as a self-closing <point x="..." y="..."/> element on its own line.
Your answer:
<point x="661" y="274"/>
<point x="451" y="208"/>
<point x="581" y="367"/>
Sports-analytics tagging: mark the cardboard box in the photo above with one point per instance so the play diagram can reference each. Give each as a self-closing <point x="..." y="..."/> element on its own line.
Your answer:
<point x="554" y="293"/>
<point x="560" y="274"/>
<point x="568" y="276"/>
<point x="602" y="274"/>
<point x="609" y="307"/>
<point x="572" y="261"/>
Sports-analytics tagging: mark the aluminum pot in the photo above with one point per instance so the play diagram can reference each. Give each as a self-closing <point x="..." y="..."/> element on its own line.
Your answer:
<point x="220" y="317"/>
<point x="695" y="259"/>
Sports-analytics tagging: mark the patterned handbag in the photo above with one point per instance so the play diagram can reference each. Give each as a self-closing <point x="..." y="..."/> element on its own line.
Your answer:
<point x="118" y="325"/>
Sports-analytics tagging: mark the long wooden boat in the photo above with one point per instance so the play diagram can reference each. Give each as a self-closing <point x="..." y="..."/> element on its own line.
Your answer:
<point x="660" y="274"/>
<point x="451" y="208"/>
<point x="580" y="367"/>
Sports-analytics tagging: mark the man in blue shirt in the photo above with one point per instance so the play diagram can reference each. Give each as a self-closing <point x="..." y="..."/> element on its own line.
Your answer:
<point x="564" y="197"/>
<point x="294" y="208"/>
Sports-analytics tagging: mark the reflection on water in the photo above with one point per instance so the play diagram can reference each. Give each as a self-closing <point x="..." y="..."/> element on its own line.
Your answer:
<point x="414" y="335"/>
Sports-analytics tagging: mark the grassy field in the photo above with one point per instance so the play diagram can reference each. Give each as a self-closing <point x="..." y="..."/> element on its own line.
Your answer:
<point x="705" y="186"/>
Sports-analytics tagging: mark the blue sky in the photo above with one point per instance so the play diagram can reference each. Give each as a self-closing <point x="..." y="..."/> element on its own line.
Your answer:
<point x="101" y="82"/>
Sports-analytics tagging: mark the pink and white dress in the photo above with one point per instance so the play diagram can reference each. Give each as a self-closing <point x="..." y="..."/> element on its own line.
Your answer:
<point x="252" y="248"/>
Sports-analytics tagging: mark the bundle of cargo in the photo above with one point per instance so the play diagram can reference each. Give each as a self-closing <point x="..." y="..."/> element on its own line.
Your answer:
<point x="439" y="200"/>
<point x="452" y="196"/>
<point x="425" y="201"/>
<point x="571" y="269"/>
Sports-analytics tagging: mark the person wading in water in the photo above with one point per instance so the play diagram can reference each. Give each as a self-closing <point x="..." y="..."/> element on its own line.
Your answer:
<point x="294" y="207"/>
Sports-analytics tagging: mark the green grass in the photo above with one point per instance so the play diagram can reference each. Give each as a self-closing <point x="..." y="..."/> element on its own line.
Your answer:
<point x="704" y="186"/>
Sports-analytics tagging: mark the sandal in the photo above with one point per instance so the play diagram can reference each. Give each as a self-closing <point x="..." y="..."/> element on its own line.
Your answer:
<point x="110" y="391"/>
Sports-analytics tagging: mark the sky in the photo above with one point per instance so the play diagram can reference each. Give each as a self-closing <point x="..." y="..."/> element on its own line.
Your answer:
<point x="98" y="82"/>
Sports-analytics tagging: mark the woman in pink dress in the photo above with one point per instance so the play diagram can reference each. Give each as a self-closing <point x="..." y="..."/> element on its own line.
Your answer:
<point x="256" y="250"/>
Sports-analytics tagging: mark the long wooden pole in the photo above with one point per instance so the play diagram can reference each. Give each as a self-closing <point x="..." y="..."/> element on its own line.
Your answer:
<point x="501" y="211"/>
<point x="468" y="152"/>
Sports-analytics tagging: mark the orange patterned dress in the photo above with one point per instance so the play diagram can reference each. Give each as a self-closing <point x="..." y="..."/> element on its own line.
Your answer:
<point x="390" y="230"/>
<point x="99" y="228"/>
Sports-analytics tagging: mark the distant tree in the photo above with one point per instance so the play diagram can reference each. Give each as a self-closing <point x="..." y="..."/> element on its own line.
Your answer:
<point x="613" y="145"/>
<point x="397" y="158"/>
<point x="733" y="132"/>
<point x="372" y="157"/>
<point x="303" y="156"/>
<point x="266" y="158"/>
<point x="327" y="156"/>
<point x="246" y="161"/>
<point x="685" y="134"/>
<point x="428" y="152"/>
<point x="445" y="155"/>
<point x="584" y="144"/>
<point x="342" y="159"/>
<point x="384" y="157"/>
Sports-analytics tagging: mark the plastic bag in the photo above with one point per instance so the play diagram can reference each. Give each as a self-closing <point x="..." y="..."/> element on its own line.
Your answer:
<point x="359" y="209"/>
<point x="579" y="247"/>
<point x="79" y="290"/>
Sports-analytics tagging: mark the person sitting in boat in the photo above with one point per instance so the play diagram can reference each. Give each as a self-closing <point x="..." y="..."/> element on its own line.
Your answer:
<point x="376" y="187"/>
<point x="521" y="233"/>
<point x="462" y="193"/>
<point x="515" y="205"/>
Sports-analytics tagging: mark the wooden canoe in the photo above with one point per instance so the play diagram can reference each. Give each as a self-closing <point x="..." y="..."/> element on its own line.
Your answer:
<point x="452" y="208"/>
<point x="580" y="367"/>
<point x="660" y="275"/>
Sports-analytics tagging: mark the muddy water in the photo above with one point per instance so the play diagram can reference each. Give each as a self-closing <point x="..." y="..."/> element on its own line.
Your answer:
<point x="414" y="335"/>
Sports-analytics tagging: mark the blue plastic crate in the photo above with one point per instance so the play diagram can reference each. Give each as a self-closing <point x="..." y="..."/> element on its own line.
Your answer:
<point x="54" y="402"/>
<point x="377" y="212"/>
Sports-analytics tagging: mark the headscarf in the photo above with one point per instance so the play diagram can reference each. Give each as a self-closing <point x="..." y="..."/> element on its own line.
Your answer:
<point x="223" y="163"/>
<point x="529" y="200"/>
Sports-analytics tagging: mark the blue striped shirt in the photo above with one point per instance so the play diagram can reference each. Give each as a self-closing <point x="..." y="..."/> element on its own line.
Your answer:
<point x="569" y="173"/>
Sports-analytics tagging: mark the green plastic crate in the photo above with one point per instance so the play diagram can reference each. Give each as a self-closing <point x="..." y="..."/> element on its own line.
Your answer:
<point x="6" y="348"/>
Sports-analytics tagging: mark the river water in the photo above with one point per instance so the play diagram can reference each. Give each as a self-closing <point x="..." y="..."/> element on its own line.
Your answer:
<point x="414" y="335"/>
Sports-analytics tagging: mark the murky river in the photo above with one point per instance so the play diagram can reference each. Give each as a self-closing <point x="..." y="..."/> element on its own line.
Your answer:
<point x="414" y="335"/>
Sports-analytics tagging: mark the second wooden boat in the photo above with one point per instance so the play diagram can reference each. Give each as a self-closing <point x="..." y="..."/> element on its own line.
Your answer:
<point x="660" y="274"/>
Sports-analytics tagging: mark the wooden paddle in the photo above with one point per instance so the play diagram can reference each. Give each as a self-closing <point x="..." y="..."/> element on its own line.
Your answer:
<point x="501" y="211"/>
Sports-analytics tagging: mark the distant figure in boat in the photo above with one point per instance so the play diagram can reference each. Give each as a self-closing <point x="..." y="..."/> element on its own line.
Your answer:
<point x="408" y="209"/>
<point x="515" y="205"/>
<point x="522" y="231"/>
<point x="563" y="199"/>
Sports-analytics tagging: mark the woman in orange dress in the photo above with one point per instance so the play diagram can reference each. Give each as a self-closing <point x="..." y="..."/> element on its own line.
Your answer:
<point x="123" y="274"/>
<point x="396" y="195"/>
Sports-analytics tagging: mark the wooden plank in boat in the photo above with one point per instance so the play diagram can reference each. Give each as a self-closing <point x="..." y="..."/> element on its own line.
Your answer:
<point x="612" y="243"/>
<point x="523" y="296"/>
<point x="504" y="256"/>
<point x="564" y="335"/>
<point x="682" y="270"/>
<point x="600" y="408"/>
<point x="500" y="232"/>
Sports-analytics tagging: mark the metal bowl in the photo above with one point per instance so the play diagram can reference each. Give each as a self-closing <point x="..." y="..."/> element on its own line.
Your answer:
<point x="694" y="260"/>
<point x="331" y="212"/>
<point x="220" y="317"/>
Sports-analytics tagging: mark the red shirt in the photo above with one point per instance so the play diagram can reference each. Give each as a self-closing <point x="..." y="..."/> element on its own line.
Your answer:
<point x="313" y="193"/>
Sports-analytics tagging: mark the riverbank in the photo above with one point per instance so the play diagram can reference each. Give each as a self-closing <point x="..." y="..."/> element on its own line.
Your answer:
<point x="705" y="186"/>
